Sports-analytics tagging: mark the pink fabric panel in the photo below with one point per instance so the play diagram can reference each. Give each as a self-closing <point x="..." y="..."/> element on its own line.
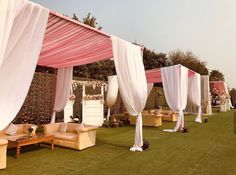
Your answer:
<point x="67" y="43"/>
<point x="217" y="86"/>
<point x="153" y="76"/>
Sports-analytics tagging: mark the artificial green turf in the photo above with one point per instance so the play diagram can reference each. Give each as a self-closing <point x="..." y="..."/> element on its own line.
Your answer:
<point x="209" y="148"/>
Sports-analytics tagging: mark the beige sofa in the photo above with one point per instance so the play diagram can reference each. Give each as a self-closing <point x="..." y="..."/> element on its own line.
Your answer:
<point x="3" y="153"/>
<point x="169" y="116"/>
<point x="72" y="138"/>
<point x="22" y="131"/>
<point x="148" y="119"/>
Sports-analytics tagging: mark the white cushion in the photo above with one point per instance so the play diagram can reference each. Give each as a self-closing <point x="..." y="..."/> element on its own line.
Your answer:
<point x="12" y="129"/>
<point x="63" y="127"/>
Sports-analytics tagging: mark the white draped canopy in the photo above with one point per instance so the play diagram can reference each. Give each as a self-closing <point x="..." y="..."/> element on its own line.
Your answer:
<point x="132" y="82"/>
<point x="27" y="28"/>
<point x="22" y="27"/>
<point x="178" y="83"/>
<point x="175" y="85"/>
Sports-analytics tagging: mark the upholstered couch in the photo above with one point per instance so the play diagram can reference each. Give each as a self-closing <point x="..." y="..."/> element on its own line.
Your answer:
<point x="3" y="153"/>
<point x="169" y="116"/>
<point x="21" y="132"/>
<point x="75" y="137"/>
<point x="148" y="119"/>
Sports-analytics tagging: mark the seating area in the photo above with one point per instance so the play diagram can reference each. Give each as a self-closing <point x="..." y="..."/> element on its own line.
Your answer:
<point x="76" y="136"/>
<point x="77" y="100"/>
<point x="110" y="155"/>
<point x="21" y="130"/>
<point x="154" y="117"/>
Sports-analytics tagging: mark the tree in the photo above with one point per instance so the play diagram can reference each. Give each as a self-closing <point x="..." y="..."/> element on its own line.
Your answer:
<point x="75" y="17"/>
<point x="216" y="75"/>
<point x="91" y="21"/>
<point x="153" y="60"/>
<point x="189" y="60"/>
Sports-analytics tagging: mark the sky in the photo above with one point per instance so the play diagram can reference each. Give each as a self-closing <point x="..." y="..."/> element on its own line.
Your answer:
<point x="205" y="27"/>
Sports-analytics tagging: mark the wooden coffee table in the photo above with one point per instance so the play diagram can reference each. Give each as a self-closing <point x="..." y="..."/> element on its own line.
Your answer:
<point x="24" y="141"/>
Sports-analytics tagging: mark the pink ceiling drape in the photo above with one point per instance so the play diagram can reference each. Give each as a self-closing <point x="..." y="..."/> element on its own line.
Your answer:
<point x="71" y="43"/>
<point x="154" y="75"/>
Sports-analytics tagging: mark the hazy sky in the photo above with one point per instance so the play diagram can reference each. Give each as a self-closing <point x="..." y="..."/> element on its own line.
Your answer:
<point x="206" y="27"/>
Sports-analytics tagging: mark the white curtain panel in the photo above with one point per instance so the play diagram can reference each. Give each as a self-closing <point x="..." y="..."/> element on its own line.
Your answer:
<point x="132" y="82"/>
<point x="112" y="93"/>
<point x="22" y="28"/>
<point x="175" y="85"/>
<point x="206" y="95"/>
<point x="194" y="93"/>
<point x="9" y="10"/>
<point x="63" y="87"/>
<point x="227" y="92"/>
<point x="149" y="86"/>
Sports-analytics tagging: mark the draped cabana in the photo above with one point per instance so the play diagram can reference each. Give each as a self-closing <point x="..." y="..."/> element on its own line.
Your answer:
<point x="217" y="86"/>
<point x="179" y="83"/>
<point x="31" y="34"/>
<point x="220" y="88"/>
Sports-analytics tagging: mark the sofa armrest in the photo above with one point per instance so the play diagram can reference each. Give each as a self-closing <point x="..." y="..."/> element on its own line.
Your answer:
<point x="87" y="128"/>
<point x="51" y="128"/>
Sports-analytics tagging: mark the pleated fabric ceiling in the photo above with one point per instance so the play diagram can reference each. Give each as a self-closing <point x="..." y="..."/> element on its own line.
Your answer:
<point x="70" y="43"/>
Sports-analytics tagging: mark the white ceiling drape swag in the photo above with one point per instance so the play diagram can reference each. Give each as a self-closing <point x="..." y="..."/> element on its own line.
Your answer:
<point x="132" y="82"/>
<point x="194" y="93"/>
<point x="175" y="85"/>
<point x="111" y="93"/>
<point x="22" y="28"/>
<point x="63" y="87"/>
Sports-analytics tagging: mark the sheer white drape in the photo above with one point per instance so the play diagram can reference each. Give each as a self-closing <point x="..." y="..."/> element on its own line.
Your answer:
<point x="8" y="10"/>
<point x="228" y="101"/>
<point x="194" y="93"/>
<point x="175" y="85"/>
<point x="63" y="87"/>
<point x="206" y="95"/>
<point x="132" y="82"/>
<point x="112" y="93"/>
<point x="150" y="86"/>
<point x="22" y="28"/>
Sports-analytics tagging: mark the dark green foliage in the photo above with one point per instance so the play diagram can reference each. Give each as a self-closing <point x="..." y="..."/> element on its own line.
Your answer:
<point x="152" y="60"/>
<point x="91" y="21"/>
<point x="38" y="105"/>
<point x="216" y="75"/>
<point x="99" y="70"/>
<point x="75" y="17"/>
<point x="189" y="60"/>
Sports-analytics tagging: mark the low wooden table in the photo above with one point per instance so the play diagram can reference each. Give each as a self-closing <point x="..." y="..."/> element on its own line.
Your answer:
<point x="24" y="141"/>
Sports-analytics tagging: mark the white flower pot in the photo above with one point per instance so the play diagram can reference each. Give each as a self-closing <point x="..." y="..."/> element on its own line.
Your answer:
<point x="223" y="108"/>
<point x="228" y="105"/>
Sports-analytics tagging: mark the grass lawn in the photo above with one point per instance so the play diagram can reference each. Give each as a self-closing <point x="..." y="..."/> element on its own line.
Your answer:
<point x="208" y="149"/>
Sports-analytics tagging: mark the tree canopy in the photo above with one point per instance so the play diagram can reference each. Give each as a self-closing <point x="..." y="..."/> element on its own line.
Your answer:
<point x="216" y="75"/>
<point x="189" y="60"/>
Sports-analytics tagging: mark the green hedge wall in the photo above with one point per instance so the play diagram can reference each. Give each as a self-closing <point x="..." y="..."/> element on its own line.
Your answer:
<point x="38" y="104"/>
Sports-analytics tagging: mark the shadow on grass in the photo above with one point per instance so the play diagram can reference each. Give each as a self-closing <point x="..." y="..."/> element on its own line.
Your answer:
<point x="12" y="151"/>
